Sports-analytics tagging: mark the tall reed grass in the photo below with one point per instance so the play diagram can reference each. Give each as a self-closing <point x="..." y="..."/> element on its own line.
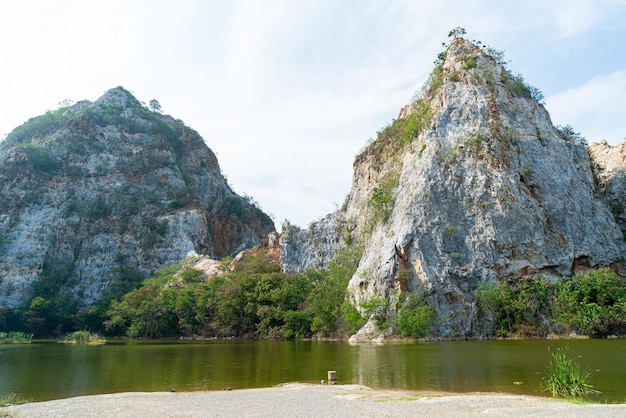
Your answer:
<point x="84" y="337"/>
<point x="12" y="399"/>
<point x="15" y="337"/>
<point x="564" y="377"/>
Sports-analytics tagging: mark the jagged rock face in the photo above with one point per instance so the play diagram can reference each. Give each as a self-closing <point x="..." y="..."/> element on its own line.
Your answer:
<point x="610" y="168"/>
<point x="489" y="190"/>
<point x="313" y="248"/>
<point x="472" y="183"/>
<point x="103" y="193"/>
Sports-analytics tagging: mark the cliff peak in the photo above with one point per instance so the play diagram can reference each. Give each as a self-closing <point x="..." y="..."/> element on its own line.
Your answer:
<point x="460" y="49"/>
<point x="117" y="96"/>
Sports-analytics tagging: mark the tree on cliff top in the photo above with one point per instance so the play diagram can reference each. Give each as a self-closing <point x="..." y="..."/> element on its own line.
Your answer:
<point x="155" y="106"/>
<point x="456" y="32"/>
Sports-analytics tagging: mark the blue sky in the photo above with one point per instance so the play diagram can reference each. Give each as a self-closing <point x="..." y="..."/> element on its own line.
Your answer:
<point x="286" y="93"/>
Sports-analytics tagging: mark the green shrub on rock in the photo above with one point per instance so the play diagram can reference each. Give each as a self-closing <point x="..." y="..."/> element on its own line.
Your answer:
<point x="416" y="317"/>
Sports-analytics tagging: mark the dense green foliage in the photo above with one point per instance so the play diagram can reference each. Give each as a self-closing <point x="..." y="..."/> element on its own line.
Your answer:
<point x="410" y="315"/>
<point x="259" y="301"/>
<point x="470" y="63"/>
<point x="564" y="378"/>
<point x="37" y="126"/>
<point x="255" y="300"/>
<point x="522" y="308"/>
<point x="593" y="304"/>
<point x="378" y="309"/>
<point x="40" y="158"/>
<point x="415" y="317"/>
<point x="53" y="314"/>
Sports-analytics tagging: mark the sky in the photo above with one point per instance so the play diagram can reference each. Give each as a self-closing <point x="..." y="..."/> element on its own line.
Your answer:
<point x="287" y="92"/>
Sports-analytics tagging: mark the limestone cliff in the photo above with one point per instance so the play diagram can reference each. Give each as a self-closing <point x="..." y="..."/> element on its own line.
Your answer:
<point x="610" y="169"/>
<point x="314" y="247"/>
<point x="97" y="195"/>
<point x="471" y="183"/>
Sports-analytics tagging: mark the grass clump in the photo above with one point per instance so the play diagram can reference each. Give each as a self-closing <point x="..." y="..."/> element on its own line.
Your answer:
<point x="469" y="63"/>
<point x="391" y="141"/>
<point x="84" y="337"/>
<point x="383" y="198"/>
<point x="564" y="378"/>
<point x="13" y="399"/>
<point x="15" y="337"/>
<point x="475" y="143"/>
<point x="520" y="87"/>
<point x="421" y="116"/>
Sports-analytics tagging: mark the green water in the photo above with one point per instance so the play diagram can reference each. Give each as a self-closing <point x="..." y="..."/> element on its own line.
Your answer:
<point x="49" y="370"/>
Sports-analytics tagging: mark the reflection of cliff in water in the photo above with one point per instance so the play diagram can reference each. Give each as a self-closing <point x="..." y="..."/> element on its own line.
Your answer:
<point x="50" y="370"/>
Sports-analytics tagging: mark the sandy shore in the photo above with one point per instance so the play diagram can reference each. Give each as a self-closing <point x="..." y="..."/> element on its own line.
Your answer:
<point x="302" y="400"/>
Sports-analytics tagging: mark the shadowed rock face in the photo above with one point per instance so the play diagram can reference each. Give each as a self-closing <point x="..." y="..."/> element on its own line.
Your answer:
<point x="472" y="183"/>
<point x="97" y="195"/>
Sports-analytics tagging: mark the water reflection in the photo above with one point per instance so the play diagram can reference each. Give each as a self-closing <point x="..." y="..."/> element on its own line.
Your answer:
<point x="51" y="370"/>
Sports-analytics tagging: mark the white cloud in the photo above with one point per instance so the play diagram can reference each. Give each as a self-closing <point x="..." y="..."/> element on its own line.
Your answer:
<point x="595" y="109"/>
<point x="574" y="17"/>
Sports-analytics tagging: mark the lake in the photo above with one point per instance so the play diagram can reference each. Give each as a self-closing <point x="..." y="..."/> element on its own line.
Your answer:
<point x="46" y="370"/>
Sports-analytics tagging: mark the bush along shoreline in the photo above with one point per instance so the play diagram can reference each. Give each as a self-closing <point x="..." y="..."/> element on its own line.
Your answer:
<point x="15" y="337"/>
<point x="591" y="304"/>
<point x="84" y="337"/>
<point x="257" y="300"/>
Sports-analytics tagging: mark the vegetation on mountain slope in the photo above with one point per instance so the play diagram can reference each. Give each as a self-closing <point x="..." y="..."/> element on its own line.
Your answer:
<point x="254" y="300"/>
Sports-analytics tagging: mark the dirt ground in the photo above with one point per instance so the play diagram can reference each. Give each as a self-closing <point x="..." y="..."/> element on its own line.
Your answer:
<point x="304" y="400"/>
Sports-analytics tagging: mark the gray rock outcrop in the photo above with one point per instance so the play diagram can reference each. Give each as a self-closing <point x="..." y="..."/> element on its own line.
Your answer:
<point x="314" y="247"/>
<point x="97" y="195"/>
<point x="472" y="183"/>
<point x="609" y="163"/>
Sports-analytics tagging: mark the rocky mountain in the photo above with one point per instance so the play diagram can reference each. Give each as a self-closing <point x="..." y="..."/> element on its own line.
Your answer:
<point x="95" y="196"/>
<point x="472" y="183"/>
